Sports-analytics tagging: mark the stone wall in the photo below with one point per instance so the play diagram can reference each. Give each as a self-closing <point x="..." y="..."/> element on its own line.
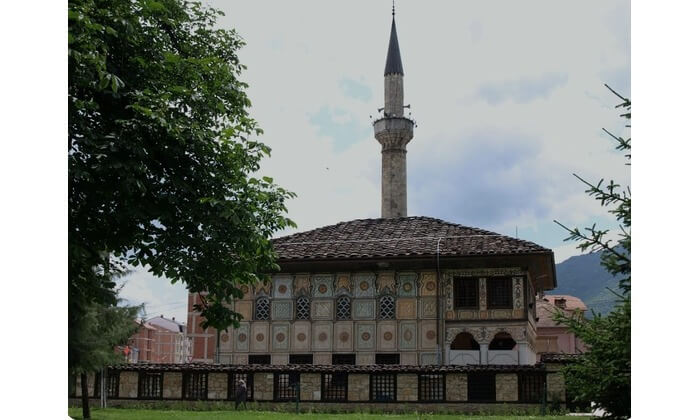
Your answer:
<point x="172" y="385"/>
<point x="263" y="386"/>
<point x="358" y="387"/>
<point x="507" y="387"/>
<point x="217" y="387"/>
<point x="556" y="390"/>
<point x="456" y="387"/>
<point x="90" y="387"/>
<point x="407" y="387"/>
<point x="128" y="384"/>
<point x="310" y="387"/>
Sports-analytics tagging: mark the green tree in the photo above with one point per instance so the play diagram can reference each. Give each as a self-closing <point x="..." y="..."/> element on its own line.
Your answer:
<point x="603" y="373"/>
<point x="94" y="338"/>
<point x="161" y="156"/>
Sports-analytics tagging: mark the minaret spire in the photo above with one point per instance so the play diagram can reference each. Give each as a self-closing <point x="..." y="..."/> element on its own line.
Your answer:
<point x="393" y="55"/>
<point x="393" y="131"/>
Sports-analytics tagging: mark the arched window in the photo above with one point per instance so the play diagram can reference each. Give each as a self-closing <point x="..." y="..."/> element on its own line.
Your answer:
<point x="303" y="306"/>
<point x="386" y="307"/>
<point x="502" y="341"/>
<point x="262" y="308"/>
<point x="464" y="341"/>
<point x="342" y="308"/>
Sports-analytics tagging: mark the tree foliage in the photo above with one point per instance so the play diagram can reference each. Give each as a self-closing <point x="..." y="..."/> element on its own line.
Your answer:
<point x="94" y="337"/>
<point x="603" y="373"/>
<point x="161" y="156"/>
<point x="99" y="331"/>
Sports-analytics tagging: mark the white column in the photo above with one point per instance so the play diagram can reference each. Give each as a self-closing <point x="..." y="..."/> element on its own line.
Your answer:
<point x="484" y="348"/>
<point x="525" y="354"/>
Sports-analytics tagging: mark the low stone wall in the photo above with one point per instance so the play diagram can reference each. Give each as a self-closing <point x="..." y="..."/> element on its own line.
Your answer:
<point x="172" y="385"/>
<point x="556" y="388"/>
<point x="358" y="387"/>
<point x="263" y="386"/>
<point x="310" y="387"/>
<point x="456" y="387"/>
<point x="506" y="387"/>
<point x="128" y="384"/>
<point x="90" y="386"/>
<point x="406" y="387"/>
<point x="452" y="383"/>
<point x="217" y="388"/>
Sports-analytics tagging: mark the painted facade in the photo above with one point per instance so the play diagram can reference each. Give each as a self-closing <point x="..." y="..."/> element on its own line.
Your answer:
<point x="370" y="313"/>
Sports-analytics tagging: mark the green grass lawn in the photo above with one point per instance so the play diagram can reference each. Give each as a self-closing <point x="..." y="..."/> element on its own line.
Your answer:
<point x="128" y="414"/>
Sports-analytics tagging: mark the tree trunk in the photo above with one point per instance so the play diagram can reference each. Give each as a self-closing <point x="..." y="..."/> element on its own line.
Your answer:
<point x="84" y="392"/>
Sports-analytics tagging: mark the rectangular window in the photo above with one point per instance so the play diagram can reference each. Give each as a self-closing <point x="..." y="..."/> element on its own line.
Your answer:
<point x="481" y="387"/>
<point x="334" y="387"/>
<point x="499" y="292"/>
<point x="233" y="379"/>
<point x="431" y="387"/>
<point x="466" y="292"/>
<point x="112" y="384"/>
<point x="150" y="385"/>
<point x="194" y="385"/>
<point x="382" y="387"/>
<point x="531" y="387"/>
<point x="386" y="359"/>
<point x="343" y="359"/>
<point x="258" y="359"/>
<point x="301" y="359"/>
<point x="286" y="386"/>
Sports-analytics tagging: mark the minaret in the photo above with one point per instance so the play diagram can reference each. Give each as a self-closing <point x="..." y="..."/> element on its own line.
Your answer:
<point x="393" y="131"/>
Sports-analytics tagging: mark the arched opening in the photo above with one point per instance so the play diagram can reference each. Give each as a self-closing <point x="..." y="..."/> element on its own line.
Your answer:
<point x="464" y="341"/>
<point x="502" y="341"/>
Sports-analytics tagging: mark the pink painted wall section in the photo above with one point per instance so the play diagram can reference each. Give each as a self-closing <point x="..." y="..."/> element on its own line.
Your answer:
<point x="552" y="338"/>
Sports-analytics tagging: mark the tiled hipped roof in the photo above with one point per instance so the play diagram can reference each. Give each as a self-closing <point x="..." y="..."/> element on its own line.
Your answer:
<point x="327" y="368"/>
<point x="398" y="237"/>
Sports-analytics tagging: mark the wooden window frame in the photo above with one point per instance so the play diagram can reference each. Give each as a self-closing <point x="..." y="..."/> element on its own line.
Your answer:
<point x="187" y="379"/>
<point x="425" y="381"/>
<point x="466" y="284"/>
<point x="494" y="293"/>
<point x="233" y="378"/>
<point x="382" y="380"/>
<point x="282" y="392"/>
<point x="531" y="387"/>
<point x="331" y="392"/>
<point x="142" y="385"/>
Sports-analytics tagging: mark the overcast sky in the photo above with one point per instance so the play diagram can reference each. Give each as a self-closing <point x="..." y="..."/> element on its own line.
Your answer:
<point x="508" y="96"/>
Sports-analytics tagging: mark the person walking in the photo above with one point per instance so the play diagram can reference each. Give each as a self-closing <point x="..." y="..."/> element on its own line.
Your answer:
<point x="241" y="394"/>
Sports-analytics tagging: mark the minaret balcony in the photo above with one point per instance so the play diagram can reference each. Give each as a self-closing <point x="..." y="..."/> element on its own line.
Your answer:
<point x="398" y="125"/>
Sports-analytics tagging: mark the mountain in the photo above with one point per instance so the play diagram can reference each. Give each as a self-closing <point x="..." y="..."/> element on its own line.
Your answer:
<point x="583" y="276"/>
